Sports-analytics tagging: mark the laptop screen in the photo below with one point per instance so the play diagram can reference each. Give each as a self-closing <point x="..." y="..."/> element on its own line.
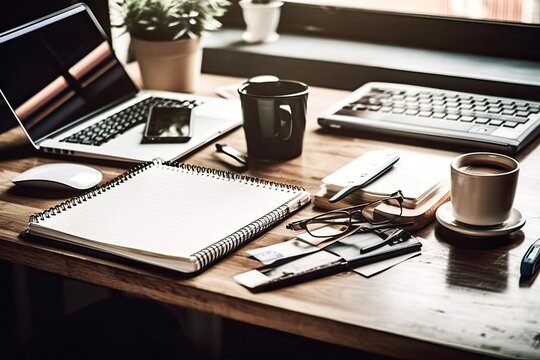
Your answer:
<point x="58" y="70"/>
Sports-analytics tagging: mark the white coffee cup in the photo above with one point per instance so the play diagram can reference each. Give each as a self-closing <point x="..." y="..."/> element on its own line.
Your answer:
<point x="483" y="187"/>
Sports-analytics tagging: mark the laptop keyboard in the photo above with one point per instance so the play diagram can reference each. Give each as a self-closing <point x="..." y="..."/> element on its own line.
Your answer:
<point x="455" y="117"/>
<point x="116" y="124"/>
<point x="453" y="107"/>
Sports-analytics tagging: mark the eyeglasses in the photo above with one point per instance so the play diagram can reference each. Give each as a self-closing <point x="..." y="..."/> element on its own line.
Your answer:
<point x="379" y="214"/>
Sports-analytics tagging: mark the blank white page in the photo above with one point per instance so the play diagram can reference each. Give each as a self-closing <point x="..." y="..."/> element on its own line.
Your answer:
<point x="169" y="211"/>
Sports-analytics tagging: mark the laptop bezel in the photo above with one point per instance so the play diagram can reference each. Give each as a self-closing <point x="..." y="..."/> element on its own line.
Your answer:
<point x="48" y="20"/>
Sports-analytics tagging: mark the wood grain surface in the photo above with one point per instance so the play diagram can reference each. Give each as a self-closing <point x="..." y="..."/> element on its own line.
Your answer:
<point x="462" y="298"/>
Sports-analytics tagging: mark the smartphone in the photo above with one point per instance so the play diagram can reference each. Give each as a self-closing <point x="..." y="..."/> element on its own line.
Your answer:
<point x="168" y="125"/>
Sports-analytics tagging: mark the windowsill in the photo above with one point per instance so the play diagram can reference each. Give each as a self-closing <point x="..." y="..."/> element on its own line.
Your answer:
<point x="348" y="64"/>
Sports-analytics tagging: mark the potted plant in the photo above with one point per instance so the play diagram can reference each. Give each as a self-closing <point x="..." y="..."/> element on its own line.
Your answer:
<point x="262" y="19"/>
<point x="166" y="38"/>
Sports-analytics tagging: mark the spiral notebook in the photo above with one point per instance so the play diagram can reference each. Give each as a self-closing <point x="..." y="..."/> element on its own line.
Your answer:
<point x="173" y="215"/>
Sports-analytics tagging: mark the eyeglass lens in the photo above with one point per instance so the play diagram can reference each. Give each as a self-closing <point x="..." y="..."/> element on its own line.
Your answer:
<point x="329" y="224"/>
<point x="335" y="223"/>
<point x="390" y="207"/>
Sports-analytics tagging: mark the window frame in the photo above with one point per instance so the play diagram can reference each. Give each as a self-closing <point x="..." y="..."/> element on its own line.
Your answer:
<point x="481" y="37"/>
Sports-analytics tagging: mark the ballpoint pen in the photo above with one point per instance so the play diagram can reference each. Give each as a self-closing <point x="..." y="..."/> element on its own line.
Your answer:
<point x="395" y="237"/>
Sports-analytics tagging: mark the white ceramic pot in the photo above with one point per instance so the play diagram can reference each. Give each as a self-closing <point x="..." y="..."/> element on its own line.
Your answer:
<point x="261" y="21"/>
<point x="169" y="65"/>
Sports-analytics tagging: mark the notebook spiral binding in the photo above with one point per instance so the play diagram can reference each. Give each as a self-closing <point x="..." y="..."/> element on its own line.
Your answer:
<point x="223" y="247"/>
<point x="74" y="201"/>
<point x="232" y="176"/>
<point x="215" y="251"/>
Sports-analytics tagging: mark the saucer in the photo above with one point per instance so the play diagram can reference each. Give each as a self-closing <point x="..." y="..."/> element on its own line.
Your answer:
<point x="446" y="219"/>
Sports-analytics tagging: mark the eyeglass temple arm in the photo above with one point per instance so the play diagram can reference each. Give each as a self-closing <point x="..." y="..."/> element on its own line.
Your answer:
<point x="297" y="225"/>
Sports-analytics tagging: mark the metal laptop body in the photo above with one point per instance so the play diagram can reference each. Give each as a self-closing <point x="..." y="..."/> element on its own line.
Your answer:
<point x="60" y="75"/>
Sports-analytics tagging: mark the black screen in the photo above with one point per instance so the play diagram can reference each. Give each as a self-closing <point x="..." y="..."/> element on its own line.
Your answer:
<point x="60" y="69"/>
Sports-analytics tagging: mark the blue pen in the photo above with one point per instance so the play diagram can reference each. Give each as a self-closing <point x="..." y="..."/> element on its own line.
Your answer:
<point x="531" y="260"/>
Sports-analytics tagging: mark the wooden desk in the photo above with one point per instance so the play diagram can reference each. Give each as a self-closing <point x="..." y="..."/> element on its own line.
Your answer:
<point x="461" y="298"/>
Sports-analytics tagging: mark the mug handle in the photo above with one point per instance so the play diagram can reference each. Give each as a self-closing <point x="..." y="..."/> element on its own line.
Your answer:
<point x="284" y="122"/>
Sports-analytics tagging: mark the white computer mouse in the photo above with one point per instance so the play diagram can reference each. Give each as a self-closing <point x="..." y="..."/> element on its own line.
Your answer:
<point x="61" y="176"/>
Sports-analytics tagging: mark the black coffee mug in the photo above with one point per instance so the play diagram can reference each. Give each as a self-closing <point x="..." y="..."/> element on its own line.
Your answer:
<point x="274" y="118"/>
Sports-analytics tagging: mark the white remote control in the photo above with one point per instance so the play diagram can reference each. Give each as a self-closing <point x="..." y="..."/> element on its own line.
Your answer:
<point x="360" y="172"/>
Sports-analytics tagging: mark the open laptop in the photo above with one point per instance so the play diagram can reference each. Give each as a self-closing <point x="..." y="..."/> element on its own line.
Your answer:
<point x="64" y="84"/>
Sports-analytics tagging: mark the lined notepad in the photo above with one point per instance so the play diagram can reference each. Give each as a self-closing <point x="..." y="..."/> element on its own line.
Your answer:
<point x="176" y="216"/>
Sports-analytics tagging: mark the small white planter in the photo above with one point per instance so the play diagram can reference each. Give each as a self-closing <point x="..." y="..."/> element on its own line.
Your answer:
<point x="261" y="21"/>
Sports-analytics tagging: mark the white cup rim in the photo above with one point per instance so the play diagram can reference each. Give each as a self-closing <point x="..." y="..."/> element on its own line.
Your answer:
<point x="509" y="162"/>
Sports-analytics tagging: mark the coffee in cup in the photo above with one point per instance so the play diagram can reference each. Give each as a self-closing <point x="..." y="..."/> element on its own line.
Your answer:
<point x="483" y="187"/>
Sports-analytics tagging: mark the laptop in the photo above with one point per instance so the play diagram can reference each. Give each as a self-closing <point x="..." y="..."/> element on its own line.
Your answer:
<point x="63" y="83"/>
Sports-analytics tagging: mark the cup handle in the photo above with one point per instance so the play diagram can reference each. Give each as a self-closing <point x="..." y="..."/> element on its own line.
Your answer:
<point x="284" y="126"/>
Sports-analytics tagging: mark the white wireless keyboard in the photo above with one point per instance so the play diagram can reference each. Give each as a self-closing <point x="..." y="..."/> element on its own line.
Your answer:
<point x="478" y="121"/>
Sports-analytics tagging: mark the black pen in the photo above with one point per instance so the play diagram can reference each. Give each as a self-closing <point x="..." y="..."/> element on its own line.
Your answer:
<point x="233" y="153"/>
<point x="392" y="239"/>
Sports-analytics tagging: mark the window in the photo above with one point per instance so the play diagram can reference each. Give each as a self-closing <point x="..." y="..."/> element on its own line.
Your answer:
<point x="502" y="28"/>
<point x="515" y="11"/>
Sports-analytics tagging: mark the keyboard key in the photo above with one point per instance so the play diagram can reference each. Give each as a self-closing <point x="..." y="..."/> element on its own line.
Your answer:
<point x="496" y="122"/>
<point x="510" y="124"/>
<point x="453" y="117"/>
<point x="359" y="107"/>
<point x="522" y="113"/>
<point x="467" y="118"/>
<point x="411" y="112"/>
<point x="508" y="112"/>
<point x="481" y="121"/>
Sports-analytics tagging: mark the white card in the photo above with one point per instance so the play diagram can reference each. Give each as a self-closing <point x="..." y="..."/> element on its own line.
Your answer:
<point x="294" y="247"/>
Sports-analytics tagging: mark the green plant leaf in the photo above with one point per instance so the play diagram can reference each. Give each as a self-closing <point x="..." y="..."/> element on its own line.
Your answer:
<point x="165" y="20"/>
